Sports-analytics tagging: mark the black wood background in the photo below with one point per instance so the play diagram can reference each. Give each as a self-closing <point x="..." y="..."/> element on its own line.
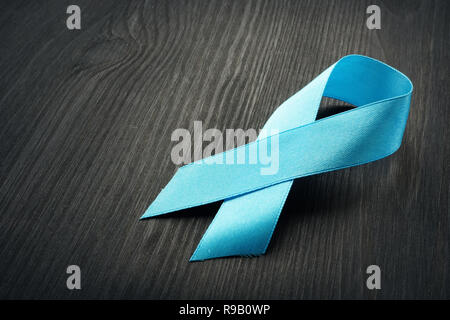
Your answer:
<point x="86" y="119"/>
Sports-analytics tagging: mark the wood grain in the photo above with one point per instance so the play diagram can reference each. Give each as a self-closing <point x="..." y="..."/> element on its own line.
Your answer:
<point x="85" y="147"/>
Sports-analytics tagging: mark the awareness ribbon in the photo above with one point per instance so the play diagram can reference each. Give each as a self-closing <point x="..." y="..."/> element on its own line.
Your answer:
<point x="253" y="201"/>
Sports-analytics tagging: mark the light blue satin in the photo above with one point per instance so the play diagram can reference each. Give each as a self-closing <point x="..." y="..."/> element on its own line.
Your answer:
<point x="247" y="218"/>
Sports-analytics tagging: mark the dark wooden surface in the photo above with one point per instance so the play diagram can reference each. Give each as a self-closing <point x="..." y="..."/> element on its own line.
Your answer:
<point x="85" y="125"/>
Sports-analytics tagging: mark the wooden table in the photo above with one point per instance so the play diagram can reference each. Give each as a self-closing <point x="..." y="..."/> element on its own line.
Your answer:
<point x="85" y="146"/>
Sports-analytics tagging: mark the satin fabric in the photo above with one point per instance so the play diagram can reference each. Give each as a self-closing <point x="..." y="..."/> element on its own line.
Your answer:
<point x="253" y="201"/>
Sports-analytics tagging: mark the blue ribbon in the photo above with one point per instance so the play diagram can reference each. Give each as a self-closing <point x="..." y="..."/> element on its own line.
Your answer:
<point x="253" y="201"/>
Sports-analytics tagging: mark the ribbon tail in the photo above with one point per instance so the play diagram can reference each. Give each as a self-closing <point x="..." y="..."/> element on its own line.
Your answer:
<point x="244" y="225"/>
